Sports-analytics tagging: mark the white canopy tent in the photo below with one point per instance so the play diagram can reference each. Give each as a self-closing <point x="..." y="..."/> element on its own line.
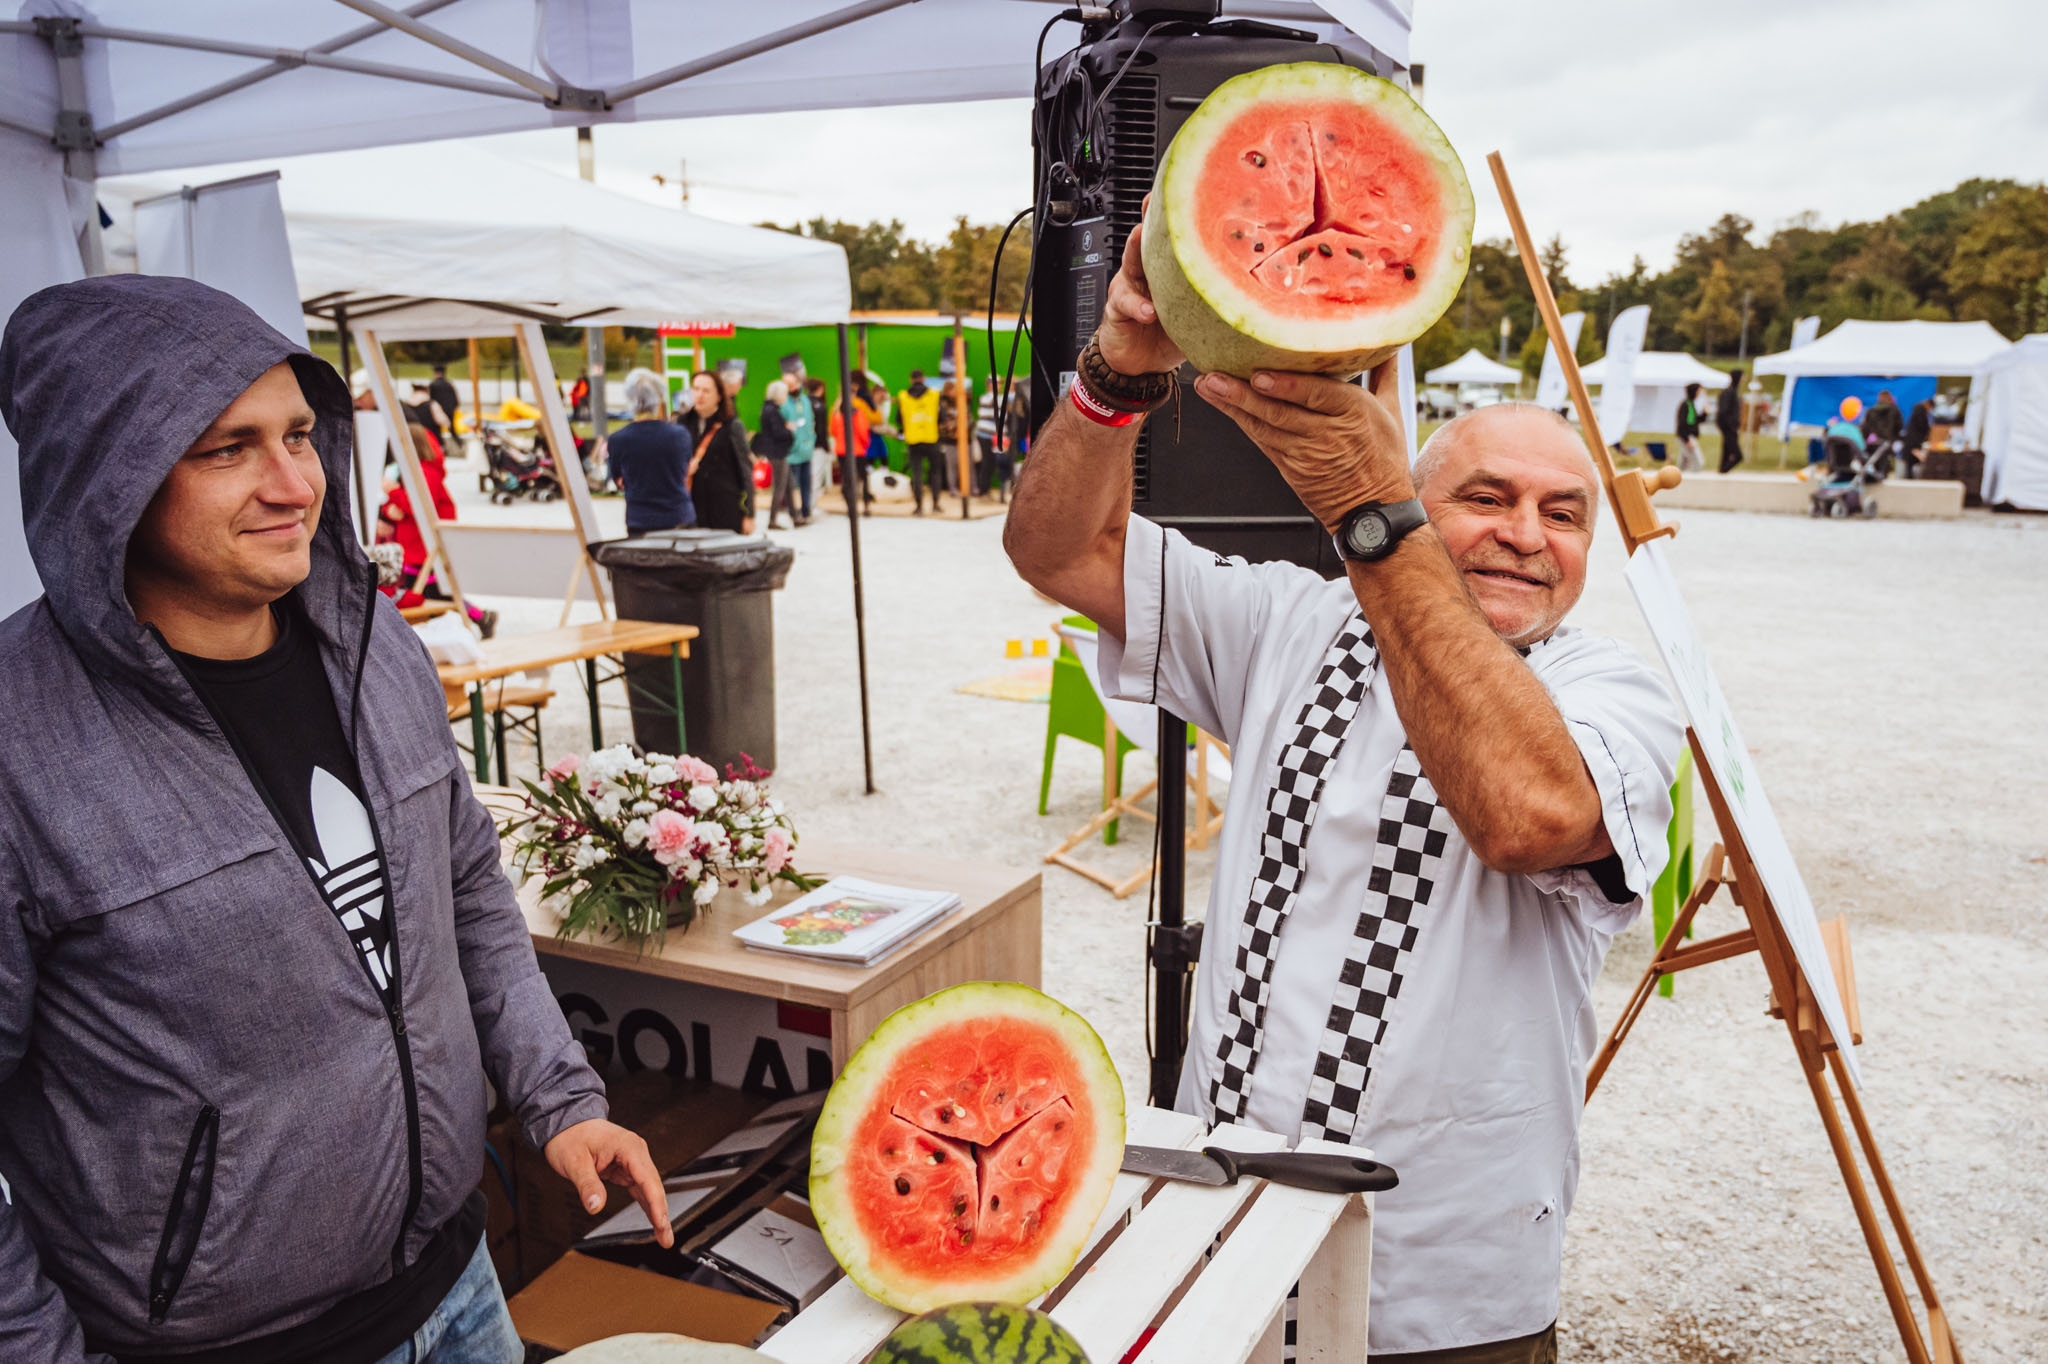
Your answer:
<point x="105" y="87"/>
<point x="2016" y="425"/>
<point x="1660" y="379"/>
<point x="1896" y="350"/>
<point x="498" y="241"/>
<point x="1474" y="368"/>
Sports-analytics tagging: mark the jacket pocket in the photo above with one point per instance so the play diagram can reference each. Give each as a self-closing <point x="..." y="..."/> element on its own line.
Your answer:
<point x="186" y="1216"/>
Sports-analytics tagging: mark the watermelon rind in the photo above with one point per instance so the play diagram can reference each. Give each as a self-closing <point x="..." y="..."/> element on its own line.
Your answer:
<point x="660" y="1347"/>
<point x="980" y="1333"/>
<point x="1217" y="321"/>
<point x="857" y="1089"/>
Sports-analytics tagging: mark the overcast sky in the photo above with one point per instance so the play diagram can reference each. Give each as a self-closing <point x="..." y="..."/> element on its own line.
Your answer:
<point x="1625" y="123"/>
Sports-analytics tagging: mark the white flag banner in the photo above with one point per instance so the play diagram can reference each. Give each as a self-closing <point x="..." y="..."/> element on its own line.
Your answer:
<point x="1618" y="387"/>
<point x="1803" y="331"/>
<point x="1407" y="390"/>
<point x="1550" y="388"/>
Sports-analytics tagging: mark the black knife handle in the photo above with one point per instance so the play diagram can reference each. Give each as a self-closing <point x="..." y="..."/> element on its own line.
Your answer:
<point x="1307" y="1170"/>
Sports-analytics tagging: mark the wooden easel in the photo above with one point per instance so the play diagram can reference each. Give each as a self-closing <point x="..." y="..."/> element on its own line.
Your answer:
<point x="1204" y="820"/>
<point x="554" y="421"/>
<point x="1730" y="864"/>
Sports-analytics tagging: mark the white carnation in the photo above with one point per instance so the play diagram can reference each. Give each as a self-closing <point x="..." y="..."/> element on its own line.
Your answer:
<point x="706" y="891"/>
<point x="702" y="798"/>
<point x="759" y="894"/>
<point x="635" y="832"/>
<point x="662" y="772"/>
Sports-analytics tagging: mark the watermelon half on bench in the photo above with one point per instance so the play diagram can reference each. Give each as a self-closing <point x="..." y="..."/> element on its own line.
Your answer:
<point x="1306" y="217"/>
<point x="966" y="1150"/>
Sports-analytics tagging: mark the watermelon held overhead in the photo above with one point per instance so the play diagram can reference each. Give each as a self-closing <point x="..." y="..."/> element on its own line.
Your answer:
<point x="967" y="1148"/>
<point x="980" y="1333"/>
<point x="1306" y="217"/>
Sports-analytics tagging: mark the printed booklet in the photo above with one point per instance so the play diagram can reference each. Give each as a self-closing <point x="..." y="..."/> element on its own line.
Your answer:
<point x="848" y="920"/>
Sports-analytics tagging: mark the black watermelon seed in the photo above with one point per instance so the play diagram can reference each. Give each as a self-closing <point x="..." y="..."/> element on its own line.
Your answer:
<point x="945" y="1114"/>
<point x="1301" y="256"/>
<point x="966" y="1238"/>
<point x="1258" y="246"/>
<point x="959" y="1207"/>
<point x="1323" y="249"/>
<point x="938" y="1157"/>
<point x="1256" y="158"/>
<point x="1408" y="272"/>
<point x="1354" y="253"/>
<point x="902" y="1185"/>
<point x="994" y="1201"/>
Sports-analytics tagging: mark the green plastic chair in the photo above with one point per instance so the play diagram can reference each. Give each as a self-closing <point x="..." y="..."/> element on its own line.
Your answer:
<point x="1075" y="711"/>
<point x="1674" y="884"/>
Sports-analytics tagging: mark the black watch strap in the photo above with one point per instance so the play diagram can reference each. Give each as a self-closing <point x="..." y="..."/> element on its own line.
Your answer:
<point x="1371" y="531"/>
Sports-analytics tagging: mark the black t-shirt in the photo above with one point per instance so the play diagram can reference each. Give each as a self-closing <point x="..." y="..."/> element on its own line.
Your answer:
<point x="278" y="713"/>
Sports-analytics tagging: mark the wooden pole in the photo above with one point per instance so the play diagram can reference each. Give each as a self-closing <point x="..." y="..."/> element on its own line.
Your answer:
<point x="1628" y="494"/>
<point x="962" y="431"/>
<point x="554" y="419"/>
<point x="409" y="469"/>
<point x="476" y="389"/>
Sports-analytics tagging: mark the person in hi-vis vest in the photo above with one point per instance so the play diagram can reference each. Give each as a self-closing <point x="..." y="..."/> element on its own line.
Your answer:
<point x="918" y="408"/>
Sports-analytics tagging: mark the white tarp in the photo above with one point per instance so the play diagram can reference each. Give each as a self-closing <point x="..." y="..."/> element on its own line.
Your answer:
<point x="1473" y="368"/>
<point x="1893" y="350"/>
<point x="495" y="231"/>
<point x="1624" y="347"/>
<point x="513" y="56"/>
<point x="230" y="235"/>
<point x="1659" y="381"/>
<point x="2015" y="411"/>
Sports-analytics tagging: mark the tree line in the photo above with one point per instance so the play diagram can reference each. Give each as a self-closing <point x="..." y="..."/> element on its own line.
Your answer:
<point x="1978" y="251"/>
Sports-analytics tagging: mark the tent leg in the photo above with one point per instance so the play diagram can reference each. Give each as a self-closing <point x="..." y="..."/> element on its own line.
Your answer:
<point x="848" y="473"/>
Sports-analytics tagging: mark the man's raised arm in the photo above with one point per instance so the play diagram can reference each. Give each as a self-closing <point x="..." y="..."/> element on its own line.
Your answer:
<point x="1065" y="530"/>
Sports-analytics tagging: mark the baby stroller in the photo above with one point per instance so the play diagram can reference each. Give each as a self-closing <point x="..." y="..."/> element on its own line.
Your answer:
<point x="1852" y="476"/>
<point x="510" y="472"/>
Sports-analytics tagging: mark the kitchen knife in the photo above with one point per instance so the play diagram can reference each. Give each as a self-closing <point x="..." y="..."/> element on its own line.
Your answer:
<point x="1300" y="1169"/>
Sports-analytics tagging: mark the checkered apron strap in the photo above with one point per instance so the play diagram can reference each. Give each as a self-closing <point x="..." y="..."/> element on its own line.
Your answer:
<point x="1407" y="861"/>
<point x="1333" y="700"/>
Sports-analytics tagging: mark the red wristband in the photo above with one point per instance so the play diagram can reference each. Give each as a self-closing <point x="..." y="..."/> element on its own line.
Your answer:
<point x="1094" y="409"/>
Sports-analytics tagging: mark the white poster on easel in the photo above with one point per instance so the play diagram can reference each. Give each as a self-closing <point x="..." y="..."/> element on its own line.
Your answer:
<point x="1706" y="709"/>
<point x="1618" y="389"/>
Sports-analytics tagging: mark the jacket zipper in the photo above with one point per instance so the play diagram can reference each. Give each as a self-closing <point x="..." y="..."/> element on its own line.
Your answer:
<point x="394" y="1010"/>
<point x="415" y="1165"/>
<point x="193" y="1192"/>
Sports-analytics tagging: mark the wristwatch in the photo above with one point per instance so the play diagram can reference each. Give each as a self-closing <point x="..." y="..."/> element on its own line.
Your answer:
<point x="1371" y="531"/>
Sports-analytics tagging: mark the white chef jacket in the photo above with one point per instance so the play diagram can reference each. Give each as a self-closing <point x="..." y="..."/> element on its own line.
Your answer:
<point x="1476" y="1089"/>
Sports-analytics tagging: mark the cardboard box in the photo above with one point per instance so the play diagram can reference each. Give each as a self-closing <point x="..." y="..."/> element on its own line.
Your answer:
<point x="679" y="1119"/>
<point x="579" y="1300"/>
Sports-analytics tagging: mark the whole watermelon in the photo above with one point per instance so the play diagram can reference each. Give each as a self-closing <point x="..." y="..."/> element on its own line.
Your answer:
<point x="980" y="1333"/>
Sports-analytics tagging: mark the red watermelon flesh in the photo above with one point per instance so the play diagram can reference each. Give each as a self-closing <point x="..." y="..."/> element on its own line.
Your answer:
<point x="1318" y="203"/>
<point x="1307" y="216"/>
<point x="973" y="1161"/>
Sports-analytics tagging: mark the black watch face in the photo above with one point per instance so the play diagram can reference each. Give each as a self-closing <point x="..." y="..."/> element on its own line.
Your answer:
<point x="1369" y="534"/>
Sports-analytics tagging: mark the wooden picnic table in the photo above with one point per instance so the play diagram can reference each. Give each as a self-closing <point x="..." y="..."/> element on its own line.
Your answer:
<point x="585" y="643"/>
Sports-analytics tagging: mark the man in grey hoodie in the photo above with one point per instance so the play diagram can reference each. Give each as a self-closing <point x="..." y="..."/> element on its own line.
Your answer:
<point x="257" y="955"/>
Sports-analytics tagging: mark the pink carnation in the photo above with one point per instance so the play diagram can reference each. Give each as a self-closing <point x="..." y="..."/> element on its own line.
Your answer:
<point x="696" y="772"/>
<point x="668" y="834"/>
<point x="563" y="768"/>
<point x="775" y="850"/>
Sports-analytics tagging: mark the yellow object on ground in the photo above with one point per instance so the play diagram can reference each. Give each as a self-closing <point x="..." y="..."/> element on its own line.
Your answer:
<point x="514" y="410"/>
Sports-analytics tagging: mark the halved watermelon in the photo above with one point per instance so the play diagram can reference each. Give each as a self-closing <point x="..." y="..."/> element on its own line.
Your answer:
<point x="980" y="1333"/>
<point x="1307" y="217"/>
<point x="967" y="1148"/>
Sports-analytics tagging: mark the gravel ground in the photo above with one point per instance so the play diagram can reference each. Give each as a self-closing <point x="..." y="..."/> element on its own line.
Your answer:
<point x="1889" y="677"/>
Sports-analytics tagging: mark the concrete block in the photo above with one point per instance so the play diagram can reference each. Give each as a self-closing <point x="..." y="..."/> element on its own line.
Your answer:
<point x="1931" y="499"/>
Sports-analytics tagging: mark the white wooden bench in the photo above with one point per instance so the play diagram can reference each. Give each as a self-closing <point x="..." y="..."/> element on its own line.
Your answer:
<point x="1150" y="1264"/>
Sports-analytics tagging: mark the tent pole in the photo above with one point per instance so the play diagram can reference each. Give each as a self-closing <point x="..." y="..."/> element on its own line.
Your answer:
<point x="849" y="465"/>
<point x="476" y="390"/>
<point x="355" y="466"/>
<point x="961" y="433"/>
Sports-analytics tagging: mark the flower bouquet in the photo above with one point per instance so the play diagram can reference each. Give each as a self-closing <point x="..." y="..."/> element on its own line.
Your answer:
<point x="630" y="845"/>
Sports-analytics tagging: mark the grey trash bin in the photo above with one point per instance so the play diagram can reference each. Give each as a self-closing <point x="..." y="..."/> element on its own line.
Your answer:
<point x="719" y="582"/>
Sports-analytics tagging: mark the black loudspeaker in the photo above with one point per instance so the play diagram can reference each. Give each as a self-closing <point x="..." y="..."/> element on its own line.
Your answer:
<point x="1103" y="116"/>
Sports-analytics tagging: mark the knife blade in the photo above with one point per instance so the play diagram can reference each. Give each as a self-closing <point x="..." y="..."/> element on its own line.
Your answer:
<point x="1216" y="1166"/>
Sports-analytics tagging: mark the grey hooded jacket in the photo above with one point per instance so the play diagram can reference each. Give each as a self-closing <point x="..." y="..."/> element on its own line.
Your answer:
<point x="212" y="1128"/>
